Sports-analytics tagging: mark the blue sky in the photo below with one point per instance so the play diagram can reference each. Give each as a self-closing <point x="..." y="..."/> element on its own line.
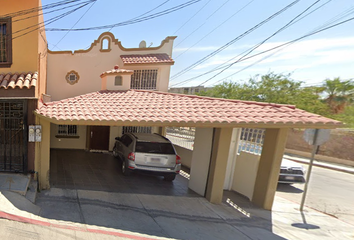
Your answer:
<point x="209" y="24"/>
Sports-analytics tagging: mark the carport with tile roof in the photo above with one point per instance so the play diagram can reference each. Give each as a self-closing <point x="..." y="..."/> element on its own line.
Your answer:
<point x="212" y="117"/>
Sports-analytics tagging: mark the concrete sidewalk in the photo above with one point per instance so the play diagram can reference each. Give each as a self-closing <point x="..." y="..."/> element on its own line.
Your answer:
<point x="93" y="214"/>
<point x="333" y="166"/>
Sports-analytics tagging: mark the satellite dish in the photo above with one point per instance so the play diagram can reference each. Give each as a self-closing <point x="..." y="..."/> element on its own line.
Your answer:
<point x="142" y="44"/>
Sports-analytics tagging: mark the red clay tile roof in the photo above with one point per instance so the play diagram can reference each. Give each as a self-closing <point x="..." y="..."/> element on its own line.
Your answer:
<point x="115" y="70"/>
<point x="19" y="80"/>
<point x="147" y="59"/>
<point x="167" y="109"/>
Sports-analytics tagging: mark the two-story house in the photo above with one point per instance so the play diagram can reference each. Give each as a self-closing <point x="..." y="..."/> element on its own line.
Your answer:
<point x="106" y="65"/>
<point x="23" y="59"/>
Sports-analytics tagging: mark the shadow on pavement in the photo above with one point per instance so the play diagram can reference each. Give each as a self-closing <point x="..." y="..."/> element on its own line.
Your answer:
<point x="89" y="188"/>
<point x="283" y="187"/>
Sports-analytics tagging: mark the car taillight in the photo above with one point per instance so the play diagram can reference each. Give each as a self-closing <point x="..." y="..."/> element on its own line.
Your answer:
<point x="131" y="156"/>
<point x="178" y="159"/>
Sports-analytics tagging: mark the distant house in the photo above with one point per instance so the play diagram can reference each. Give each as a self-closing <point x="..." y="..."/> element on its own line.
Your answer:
<point x="188" y="90"/>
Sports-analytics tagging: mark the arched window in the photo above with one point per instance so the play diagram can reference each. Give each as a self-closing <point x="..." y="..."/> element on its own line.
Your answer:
<point x="105" y="44"/>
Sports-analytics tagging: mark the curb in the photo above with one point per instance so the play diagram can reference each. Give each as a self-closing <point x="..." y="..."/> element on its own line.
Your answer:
<point x="18" y="218"/>
<point x="328" y="166"/>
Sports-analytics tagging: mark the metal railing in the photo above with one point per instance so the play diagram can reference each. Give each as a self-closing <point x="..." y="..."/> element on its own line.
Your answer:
<point x="181" y="136"/>
<point x="251" y="140"/>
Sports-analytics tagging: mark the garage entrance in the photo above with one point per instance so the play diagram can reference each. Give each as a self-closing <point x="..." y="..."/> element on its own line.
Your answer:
<point x="13" y="137"/>
<point x="80" y="169"/>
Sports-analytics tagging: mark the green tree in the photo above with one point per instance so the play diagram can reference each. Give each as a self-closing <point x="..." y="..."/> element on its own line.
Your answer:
<point x="338" y="94"/>
<point x="273" y="88"/>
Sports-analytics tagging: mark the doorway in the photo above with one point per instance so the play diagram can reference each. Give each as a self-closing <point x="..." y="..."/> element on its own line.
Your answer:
<point x="99" y="137"/>
<point x="13" y="137"/>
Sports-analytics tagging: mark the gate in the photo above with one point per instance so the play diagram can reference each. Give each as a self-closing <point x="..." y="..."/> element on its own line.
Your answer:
<point x="13" y="137"/>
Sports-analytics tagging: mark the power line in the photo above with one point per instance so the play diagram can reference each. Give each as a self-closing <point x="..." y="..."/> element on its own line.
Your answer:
<point x="233" y="41"/>
<point x="222" y="67"/>
<point x="295" y="40"/>
<point x="75" y="23"/>
<point x="191" y="17"/>
<point x="327" y="23"/>
<point x="149" y="17"/>
<point x="195" y="30"/>
<point x="55" y="10"/>
<point x="37" y="9"/>
<point x="261" y="43"/>
<point x="145" y="12"/>
<point x="214" y="29"/>
<point x="54" y="19"/>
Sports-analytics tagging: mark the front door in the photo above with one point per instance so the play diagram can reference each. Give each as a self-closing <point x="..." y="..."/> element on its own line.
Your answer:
<point x="13" y="137"/>
<point x="99" y="137"/>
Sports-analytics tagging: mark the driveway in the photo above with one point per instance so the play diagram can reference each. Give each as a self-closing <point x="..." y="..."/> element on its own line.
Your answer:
<point x="79" y="169"/>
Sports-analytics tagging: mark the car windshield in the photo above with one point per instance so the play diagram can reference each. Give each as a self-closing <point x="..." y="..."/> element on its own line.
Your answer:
<point x="154" y="147"/>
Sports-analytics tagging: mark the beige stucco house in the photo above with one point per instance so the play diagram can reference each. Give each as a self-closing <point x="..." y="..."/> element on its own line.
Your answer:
<point x="84" y="99"/>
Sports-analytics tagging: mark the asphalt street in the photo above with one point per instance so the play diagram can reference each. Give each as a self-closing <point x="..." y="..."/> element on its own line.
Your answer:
<point x="329" y="191"/>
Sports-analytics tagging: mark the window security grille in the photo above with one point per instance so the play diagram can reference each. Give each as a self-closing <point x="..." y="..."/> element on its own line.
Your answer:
<point x="251" y="140"/>
<point x="136" y="130"/>
<point x="67" y="130"/>
<point x="144" y="79"/>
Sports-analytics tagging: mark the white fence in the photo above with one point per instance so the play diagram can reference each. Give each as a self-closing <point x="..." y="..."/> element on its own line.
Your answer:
<point x="181" y="136"/>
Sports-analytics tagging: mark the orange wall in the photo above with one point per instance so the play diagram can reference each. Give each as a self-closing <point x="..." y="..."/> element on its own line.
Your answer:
<point x="29" y="52"/>
<point x="42" y="58"/>
<point x="25" y="48"/>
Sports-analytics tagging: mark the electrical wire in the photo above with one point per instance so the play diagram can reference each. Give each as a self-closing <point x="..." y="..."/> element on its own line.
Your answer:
<point x="40" y="25"/>
<point x="262" y="42"/>
<point x="192" y="17"/>
<point x="221" y="65"/>
<point x="37" y="9"/>
<point x="195" y="30"/>
<point x="146" y="12"/>
<point x="75" y="23"/>
<point x="233" y="41"/>
<point x="214" y="29"/>
<point x="129" y="22"/>
<point x="295" y="40"/>
<point x="55" y="10"/>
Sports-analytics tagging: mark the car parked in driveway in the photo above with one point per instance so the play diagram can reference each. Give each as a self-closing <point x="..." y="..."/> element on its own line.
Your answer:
<point x="291" y="172"/>
<point x="147" y="152"/>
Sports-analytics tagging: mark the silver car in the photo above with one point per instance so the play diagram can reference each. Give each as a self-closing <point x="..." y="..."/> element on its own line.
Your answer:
<point x="147" y="152"/>
<point x="291" y="172"/>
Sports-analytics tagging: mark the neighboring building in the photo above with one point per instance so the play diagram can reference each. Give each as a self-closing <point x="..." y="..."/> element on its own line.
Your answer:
<point x="75" y="73"/>
<point x="23" y="59"/>
<point x="188" y="90"/>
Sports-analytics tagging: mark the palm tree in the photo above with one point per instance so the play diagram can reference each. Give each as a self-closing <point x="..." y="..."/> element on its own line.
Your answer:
<point x="339" y="93"/>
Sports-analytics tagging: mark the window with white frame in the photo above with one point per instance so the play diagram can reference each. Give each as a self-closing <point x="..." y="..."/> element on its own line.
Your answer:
<point x="67" y="130"/>
<point x="144" y="79"/>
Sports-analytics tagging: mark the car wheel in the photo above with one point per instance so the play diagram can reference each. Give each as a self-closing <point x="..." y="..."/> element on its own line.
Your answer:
<point x="170" y="178"/>
<point x="125" y="170"/>
<point x="115" y="152"/>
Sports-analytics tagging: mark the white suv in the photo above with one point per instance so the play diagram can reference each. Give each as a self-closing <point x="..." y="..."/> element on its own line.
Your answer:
<point x="147" y="152"/>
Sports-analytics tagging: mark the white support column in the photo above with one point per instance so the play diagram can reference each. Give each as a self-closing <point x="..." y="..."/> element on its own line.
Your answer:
<point x="231" y="161"/>
<point x="201" y="160"/>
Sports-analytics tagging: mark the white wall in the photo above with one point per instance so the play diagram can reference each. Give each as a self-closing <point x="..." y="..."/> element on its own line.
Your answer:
<point x="203" y="143"/>
<point x="91" y="64"/>
<point x="245" y="173"/>
<point x="186" y="155"/>
<point x="68" y="143"/>
<point x="231" y="161"/>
